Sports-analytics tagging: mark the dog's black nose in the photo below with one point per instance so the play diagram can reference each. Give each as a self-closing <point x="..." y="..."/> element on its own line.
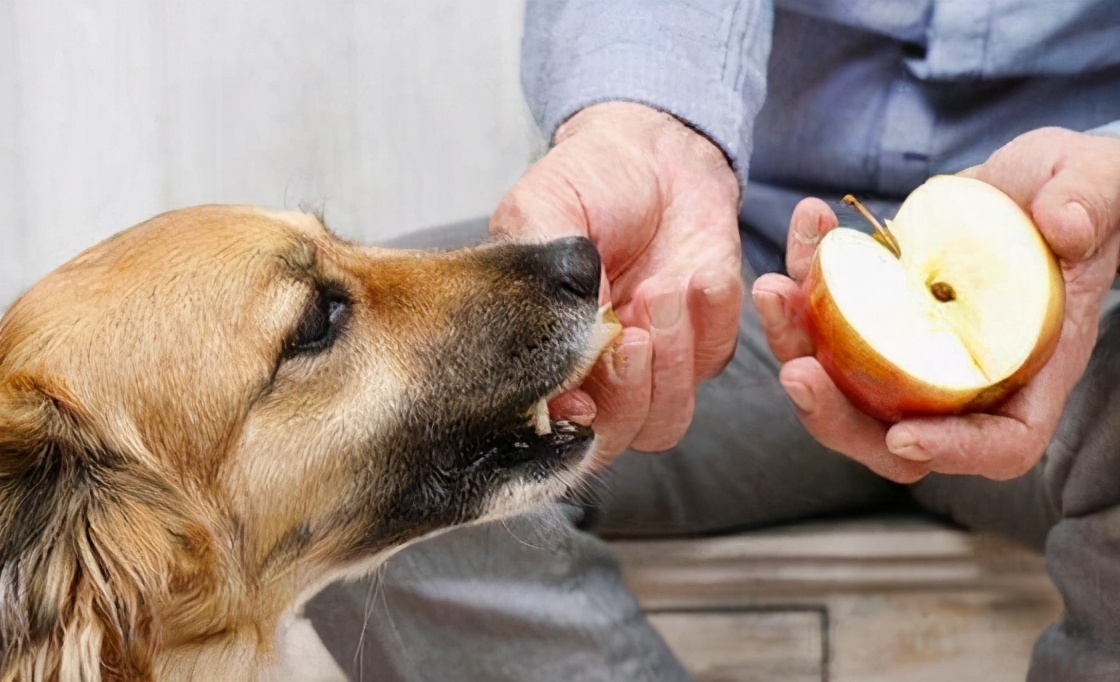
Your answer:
<point x="574" y="264"/>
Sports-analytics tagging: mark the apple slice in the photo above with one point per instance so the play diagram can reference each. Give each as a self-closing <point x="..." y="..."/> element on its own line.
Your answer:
<point x="967" y="312"/>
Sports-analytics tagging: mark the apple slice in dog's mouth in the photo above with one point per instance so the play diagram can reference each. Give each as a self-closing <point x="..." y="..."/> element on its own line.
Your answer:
<point x="606" y="328"/>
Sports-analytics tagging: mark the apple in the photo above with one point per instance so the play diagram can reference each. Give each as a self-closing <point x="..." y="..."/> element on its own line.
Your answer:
<point x="948" y="309"/>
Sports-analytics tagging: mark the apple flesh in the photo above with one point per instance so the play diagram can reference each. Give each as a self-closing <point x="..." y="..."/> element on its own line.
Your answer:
<point x="968" y="312"/>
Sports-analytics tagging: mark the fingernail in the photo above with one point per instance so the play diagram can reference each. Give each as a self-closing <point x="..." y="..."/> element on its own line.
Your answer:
<point x="903" y="444"/>
<point x="810" y="238"/>
<point x="769" y="307"/>
<point x="631" y="361"/>
<point x="801" y="395"/>
<point x="665" y="310"/>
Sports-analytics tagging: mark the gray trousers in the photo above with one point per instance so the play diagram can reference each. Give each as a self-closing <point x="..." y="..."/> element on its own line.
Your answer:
<point x="539" y="598"/>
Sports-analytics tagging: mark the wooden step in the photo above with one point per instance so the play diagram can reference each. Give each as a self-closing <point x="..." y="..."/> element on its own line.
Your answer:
<point x="880" y="600"/>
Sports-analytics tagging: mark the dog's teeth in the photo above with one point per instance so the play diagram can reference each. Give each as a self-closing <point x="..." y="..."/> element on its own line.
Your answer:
<point x="540" y="418"/>
<point x="521" y="445"/>
<point x="565" y="426"/>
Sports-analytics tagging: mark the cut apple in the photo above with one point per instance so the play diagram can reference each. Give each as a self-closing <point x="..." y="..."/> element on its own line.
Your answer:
<point x="966" y="313"/>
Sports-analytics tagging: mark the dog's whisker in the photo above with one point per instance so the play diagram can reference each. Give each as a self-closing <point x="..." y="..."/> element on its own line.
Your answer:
<point x="371" y="593"/>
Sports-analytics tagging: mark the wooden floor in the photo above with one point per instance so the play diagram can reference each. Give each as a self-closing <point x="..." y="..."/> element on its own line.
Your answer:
<point x="869" y="601"/>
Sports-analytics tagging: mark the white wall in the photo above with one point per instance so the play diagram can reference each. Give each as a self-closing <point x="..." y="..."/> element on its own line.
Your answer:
<point x="395" y="113"/>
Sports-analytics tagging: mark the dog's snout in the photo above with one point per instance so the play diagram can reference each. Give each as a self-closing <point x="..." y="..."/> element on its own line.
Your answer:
<point x="573" y="263"/>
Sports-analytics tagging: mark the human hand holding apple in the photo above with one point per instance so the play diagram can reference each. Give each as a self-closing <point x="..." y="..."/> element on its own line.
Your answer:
<point x="1069" y="184"/>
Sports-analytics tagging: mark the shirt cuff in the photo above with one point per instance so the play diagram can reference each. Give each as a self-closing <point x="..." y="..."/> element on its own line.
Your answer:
<point x="636" y="73"/>
<point x="1108" y="130"/>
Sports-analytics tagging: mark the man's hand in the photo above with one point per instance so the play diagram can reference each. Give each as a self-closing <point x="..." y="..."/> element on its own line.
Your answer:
<point x="661" y="203"/>
<point x="1070" y="184"/>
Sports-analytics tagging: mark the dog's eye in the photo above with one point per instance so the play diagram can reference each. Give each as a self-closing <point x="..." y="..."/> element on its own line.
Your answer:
<point x="321" y="322"/>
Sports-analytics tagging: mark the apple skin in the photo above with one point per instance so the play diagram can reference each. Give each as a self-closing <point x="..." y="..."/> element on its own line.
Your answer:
<point x="879" y="388"/>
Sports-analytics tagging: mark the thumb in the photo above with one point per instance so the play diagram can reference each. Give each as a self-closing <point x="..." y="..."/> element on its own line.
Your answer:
<point x="811" y="220"/>
<point x="539" y="207"/>
<point x="1068" y="181"/>
<point x="1078" y="208"/>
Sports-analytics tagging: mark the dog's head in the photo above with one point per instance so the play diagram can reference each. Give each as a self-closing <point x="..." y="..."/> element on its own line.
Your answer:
<point x="222" y="408"/>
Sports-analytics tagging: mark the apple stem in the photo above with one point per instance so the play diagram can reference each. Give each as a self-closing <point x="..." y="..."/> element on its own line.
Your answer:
<point x="885" y="234"/>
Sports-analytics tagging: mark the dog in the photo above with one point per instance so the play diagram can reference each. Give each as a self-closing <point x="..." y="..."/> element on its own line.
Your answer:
<point x="210" y="416"/>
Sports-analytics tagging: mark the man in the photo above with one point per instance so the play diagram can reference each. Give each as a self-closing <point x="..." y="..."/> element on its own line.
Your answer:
<point x="686" y="137"/>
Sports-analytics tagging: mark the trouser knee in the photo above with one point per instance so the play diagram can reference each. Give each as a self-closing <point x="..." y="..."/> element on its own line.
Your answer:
<point x="1083" y="549"/>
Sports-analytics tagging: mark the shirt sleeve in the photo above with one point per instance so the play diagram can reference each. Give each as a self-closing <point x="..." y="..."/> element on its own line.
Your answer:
<point x="1108" y="130"/>
<point x="703" y="61"/>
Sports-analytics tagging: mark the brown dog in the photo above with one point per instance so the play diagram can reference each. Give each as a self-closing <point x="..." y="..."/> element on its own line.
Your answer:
<point x="210" y="416"/>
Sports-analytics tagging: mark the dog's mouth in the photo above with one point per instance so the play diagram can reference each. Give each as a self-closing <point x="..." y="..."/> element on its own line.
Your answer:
<point x="544" y="438"/>
<point x="604" y="330"/>
<point x="565" y="443"/>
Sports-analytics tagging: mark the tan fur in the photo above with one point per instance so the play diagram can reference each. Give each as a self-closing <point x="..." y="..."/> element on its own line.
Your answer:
<point x="185" y="487"/>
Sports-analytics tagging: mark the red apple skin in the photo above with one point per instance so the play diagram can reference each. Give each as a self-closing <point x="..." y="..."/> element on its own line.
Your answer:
<point x="877" y="387"/>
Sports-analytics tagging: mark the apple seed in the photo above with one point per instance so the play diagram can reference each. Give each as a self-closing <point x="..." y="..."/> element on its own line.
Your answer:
<point x="943" y="292"/>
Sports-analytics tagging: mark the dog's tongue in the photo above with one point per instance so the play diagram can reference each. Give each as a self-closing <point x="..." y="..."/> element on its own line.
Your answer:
<point x="575" y="406"/>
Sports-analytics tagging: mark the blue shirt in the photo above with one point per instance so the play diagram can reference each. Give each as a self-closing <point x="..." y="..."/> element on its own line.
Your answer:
<point x="825" y="97"/>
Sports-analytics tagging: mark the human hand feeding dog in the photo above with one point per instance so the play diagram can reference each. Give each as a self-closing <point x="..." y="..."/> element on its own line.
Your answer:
<point x="661" y="204"/>
<point x="208" y="417"/>
<point x="1070" y="184"/>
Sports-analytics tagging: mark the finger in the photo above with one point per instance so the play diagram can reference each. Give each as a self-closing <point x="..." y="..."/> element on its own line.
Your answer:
<point x="1070" y="183"/>
<point x="839" y="425"/>
<point x="780" y="308"/>
<point x="1079" y="207"/>
<point x="811" y="220"/>
<point x="594" y="186"/>
<point x="620" y="386"/>
<point x="672" y="396"/>
<point x="989" y="445"/>
<point x="714" y="302"/>
<point x="539" y="207"/>
<point x="575" y="406"/>
<point x="1000" y="446"/>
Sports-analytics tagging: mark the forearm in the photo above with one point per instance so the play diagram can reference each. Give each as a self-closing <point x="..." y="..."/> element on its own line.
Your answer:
<point x="703" y="62"/>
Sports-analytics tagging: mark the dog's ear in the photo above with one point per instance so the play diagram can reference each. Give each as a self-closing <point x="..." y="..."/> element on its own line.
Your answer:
<point x="44" y="500"/>
<point x="69" y="598"/>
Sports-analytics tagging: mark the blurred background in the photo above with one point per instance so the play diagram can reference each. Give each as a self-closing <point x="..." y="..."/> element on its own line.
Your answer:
<point x="391" y="115"/>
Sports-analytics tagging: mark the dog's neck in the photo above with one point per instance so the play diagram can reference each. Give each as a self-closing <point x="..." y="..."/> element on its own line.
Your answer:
<point x="295" y="653"/>
<point x="265" y="639"/>
<point x="300" y="655"/>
